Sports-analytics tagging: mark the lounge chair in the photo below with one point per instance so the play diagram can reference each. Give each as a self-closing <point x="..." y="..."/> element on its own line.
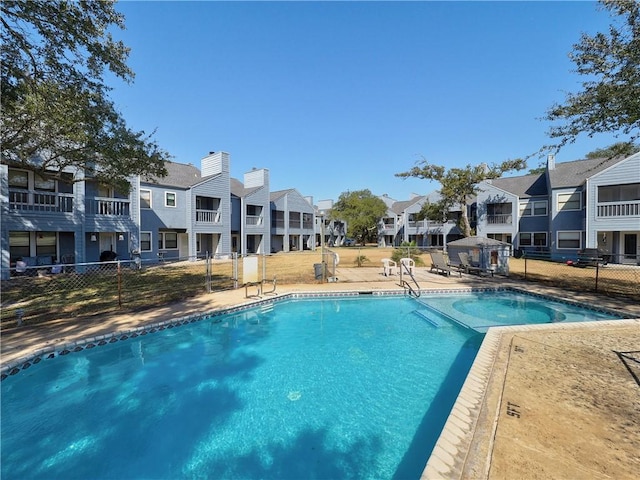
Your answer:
<point x="407" y="265"/>
<point x="440" y="264"/>
<point x="467" y="267"/>
<point x="389" y="267"/>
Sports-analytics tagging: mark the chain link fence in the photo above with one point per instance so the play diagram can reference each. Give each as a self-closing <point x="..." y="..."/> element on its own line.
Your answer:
<point x="88" y="291"/>
<point x="83" y="290"/>
<point x="594" y="274"/>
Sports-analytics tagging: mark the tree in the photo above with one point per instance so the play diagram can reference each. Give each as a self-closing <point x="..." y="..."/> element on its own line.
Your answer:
<point x="56" y="112"/>
<point x="610" y="99"/>
<point x="434" y="211"/>
<point x="459" y="185"/>
<point x="624" y="149"/>
<point x="362" y="211"/>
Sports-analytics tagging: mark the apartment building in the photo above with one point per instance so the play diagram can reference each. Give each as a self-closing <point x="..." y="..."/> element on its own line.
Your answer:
<point x="592" y="203"/>
<point x="292" y="221"/>
<point x="401" y="223"/>
<point x="74" y="219"/>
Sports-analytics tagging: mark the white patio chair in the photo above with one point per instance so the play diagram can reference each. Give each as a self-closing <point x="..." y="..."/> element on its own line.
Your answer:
<point x="389" y="267"/>
<point x="407" y="264"/>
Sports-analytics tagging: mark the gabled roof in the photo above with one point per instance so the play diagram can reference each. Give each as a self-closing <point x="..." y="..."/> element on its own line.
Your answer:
<point x="522" y="186"/>
<point x="238" y="189"/>
<point x="273" y="196"/>
<point x="574" y="174"/>
<point x="180" y="175"/>
<point x="401" y="206"/>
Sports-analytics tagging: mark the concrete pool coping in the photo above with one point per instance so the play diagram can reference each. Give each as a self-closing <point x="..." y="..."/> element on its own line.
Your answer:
<point x="467" y="446"/>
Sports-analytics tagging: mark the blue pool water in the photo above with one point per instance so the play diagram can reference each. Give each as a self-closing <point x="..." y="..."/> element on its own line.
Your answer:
<point x="310" y="388"/>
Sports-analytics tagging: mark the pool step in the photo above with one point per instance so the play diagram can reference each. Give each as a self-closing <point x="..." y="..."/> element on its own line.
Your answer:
<point x="429" y="317"/>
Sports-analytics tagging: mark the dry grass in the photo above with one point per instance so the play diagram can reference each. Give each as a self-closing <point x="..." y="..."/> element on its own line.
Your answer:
<point x="87" y="295"/>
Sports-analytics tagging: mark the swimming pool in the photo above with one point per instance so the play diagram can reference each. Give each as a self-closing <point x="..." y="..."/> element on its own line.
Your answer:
<point x="331" y="387"/>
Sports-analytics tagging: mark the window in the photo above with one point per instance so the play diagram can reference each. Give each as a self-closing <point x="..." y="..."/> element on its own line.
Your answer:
<point x="540" y="239"/>
<point x="533" y="208"/>
<point x="540" y="208"/>
<point x="570" y="240"/>
<point x="46" y="243"/>
<point x="569" y="201"/>
<point x="533" y="239"/>
<point x="167" y="241"/>
<point x="19" y="245"/>
<point x="40" y="183"/>
<point x="104" y="191"/>
<point x="525" y="240"/>
<point x="145" y="241"/>
<point x="145" y="198"/>
<point x="18" y="179"/>
<point x="169" y="199"/>
<point x="619" y="193"/>
<point x="198" y="242"/>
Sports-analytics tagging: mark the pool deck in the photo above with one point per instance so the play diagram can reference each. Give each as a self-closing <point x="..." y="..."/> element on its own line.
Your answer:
<point x="541" y="401"/>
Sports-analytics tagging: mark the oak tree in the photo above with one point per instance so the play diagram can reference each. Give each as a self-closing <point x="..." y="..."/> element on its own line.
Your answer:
<point x="56" y="110"/>
<point x="458" y="186"/>
<point x="362" y="211"/>
<point x="610" y="97"/>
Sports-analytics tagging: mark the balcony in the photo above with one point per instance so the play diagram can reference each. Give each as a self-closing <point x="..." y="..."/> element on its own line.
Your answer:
<point x="36" y="201"/>
<point x="207" y="216"/>
<point x="502" y="219"/>
<point x="254" y="220"/>
<point x="108" y="206"/>
<point x="619" y="209"/>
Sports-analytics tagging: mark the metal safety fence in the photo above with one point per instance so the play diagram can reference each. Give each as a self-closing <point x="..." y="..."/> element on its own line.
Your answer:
<point x="613" y="275"/>
<point x="38" y="294"/>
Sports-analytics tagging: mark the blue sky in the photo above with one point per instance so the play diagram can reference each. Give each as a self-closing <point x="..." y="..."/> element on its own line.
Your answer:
<point x="339" y="96"/>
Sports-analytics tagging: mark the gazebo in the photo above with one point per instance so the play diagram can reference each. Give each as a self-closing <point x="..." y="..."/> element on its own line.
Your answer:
<point x="483" y="252"/>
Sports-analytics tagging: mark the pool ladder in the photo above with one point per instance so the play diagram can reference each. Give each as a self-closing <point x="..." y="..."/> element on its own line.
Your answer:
<point x="408" y="288"/>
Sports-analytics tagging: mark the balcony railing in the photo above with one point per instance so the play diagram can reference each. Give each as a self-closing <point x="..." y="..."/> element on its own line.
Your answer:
<point x="108" y="206"/>
<point x="502" y="219"/>
<point x="294" y="223"/>
<point x="35" y="201"/>
<point x="619" y="209"/>
<point x="277" y="223"/>
<point x="308" y="224"/>
<point x="207" y="216"/>
<point x="254" y="220"/>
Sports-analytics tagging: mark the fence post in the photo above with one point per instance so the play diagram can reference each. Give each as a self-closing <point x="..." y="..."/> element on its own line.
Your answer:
<point x="119" y="285"/>
<point x="597" y="272"/>
<point x="525" y="267"/>
<point x="234" y="257"/>
<point x="208" y="273"/>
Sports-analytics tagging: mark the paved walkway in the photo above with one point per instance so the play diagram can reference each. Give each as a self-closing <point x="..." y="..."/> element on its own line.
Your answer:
<point x="492" y="445"/>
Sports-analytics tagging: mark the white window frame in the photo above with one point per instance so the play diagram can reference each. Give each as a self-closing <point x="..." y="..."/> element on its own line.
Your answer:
<point x="521" y="244"/>
<point x="150" y="241"/>
<point x="532" y="239"/>
<point x="162" y="240"/>
<point x="528" y="209"/>
<point x="166" y="199"/>
<point x="150" y="199"/>
<point x="579" y="235"/>
<point x="568" y="199"/>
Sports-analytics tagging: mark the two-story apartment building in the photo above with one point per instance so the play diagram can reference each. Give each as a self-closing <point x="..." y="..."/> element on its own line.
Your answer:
<point x="401" y="223"/>
<point x="593" y="203"/>
<point x="70" y="220"/>
<point x="187" y="213"/>
<point x="332" y="231"/>
<point x="251" y="213"/>
<point x="292" y="221"/>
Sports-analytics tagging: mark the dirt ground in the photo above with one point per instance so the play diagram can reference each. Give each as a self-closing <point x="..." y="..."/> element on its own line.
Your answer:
<point x="565" y="404"/>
